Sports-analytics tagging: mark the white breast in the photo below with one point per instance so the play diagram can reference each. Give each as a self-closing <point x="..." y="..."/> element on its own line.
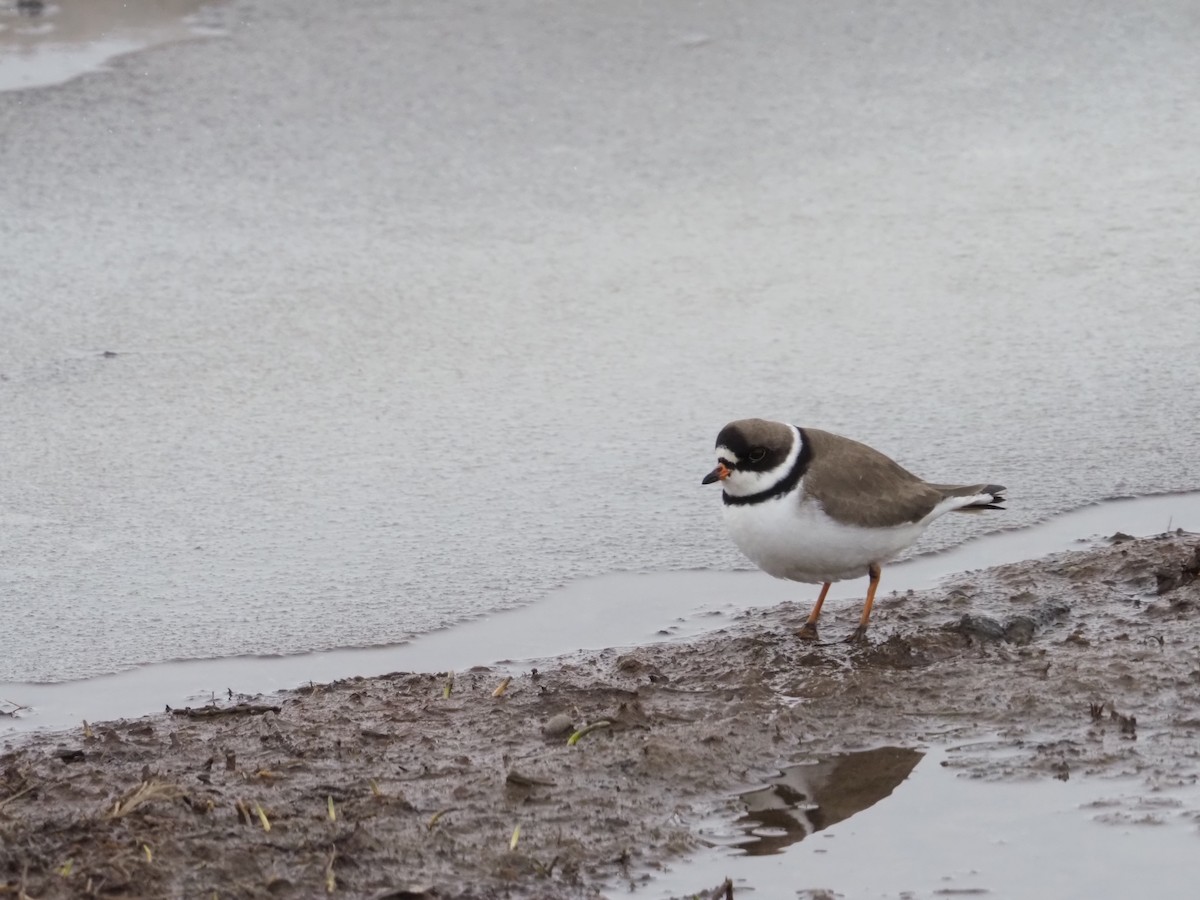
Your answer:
<point x="798" y="541"/>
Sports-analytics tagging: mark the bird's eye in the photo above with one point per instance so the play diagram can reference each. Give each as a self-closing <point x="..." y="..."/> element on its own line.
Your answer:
<point x="757" y="454"/>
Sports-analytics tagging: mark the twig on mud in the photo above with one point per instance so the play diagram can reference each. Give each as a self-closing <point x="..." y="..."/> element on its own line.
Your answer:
<point x="330" y="878"/>
<point x="16" y="708"/>
<point x="21" y="793"/>
<point x="586" y="730"/>
<point x="243" y="811"/>
<point x="436" y="817"/>
<point x="212" y="712"/>
<point x="21" y="895"/>
<point x="140" y="795"/>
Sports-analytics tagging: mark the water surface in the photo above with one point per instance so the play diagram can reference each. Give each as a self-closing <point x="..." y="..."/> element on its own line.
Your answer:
<point x="614" y="610"/>
<point x="49" y="43"/>
<point x="942" y="835"/>
<point x="358" y="320"/>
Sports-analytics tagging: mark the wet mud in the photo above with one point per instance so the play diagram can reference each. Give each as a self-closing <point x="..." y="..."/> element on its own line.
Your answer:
<point x="590" y="773"/>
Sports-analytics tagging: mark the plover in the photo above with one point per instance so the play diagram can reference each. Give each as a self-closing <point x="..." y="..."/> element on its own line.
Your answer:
<point x="807" y="505"/>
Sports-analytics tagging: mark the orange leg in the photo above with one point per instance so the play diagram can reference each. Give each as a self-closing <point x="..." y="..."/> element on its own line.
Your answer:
<point x="808" y="630"/>
<point x="860" y="633"/>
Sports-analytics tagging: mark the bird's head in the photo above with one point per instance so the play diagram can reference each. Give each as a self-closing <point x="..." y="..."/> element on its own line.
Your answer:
<point x="752" y="455"/>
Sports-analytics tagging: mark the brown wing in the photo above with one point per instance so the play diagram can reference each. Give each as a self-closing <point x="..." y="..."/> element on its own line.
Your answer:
<point x="860" y="486"/>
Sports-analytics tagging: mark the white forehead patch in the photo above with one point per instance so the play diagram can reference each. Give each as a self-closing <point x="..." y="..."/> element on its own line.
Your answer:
<point x="724" y="452"/>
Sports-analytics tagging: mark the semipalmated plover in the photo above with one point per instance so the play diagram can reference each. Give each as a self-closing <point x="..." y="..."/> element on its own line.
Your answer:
<point x="811" y="506"/>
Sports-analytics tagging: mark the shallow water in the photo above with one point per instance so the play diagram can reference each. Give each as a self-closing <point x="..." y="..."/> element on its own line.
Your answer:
<point x="939" y="834"/>
<point x="610" y="611"/>
<point x="57" y="41"/>
<point x="424" y="310"/>
<point x="809" y="797"/>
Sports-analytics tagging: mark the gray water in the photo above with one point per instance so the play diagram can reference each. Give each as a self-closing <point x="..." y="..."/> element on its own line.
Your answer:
<point x="940" y="834"/>
<point x="424" y="309"/>
<point x="614" y="610"/>
<point x="59" y="41"/>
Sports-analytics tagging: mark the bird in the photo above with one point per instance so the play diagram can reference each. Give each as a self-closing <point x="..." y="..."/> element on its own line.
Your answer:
<point x="811" y="506"/>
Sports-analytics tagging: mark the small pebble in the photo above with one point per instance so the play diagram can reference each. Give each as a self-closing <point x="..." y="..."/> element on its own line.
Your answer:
<point x="558" y="725"/>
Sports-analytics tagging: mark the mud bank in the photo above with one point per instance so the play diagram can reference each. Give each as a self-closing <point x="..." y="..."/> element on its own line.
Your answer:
<point x="1080" y="665"/>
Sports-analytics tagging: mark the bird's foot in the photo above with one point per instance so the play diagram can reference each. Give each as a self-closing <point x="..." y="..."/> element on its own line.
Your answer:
<point x="807" y="631"/>
<point x="859" y="636"/>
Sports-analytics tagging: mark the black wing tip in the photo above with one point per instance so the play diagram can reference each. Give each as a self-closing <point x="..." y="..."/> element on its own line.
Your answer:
<point x="997" y="494"/>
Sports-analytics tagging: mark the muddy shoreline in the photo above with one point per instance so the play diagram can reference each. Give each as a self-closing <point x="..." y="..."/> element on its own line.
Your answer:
<point x="1081" y="664"/>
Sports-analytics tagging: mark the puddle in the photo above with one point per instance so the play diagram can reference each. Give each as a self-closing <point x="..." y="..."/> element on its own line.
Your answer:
<point x="810" y="797"/>
<point x="938" y="834"/>
<point x="1034" y="785"/>
<point x="611" y="611"/>
<point x="45" y="43"/>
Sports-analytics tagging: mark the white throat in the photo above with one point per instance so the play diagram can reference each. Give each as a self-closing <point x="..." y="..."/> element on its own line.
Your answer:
<point x="743" y="484"/>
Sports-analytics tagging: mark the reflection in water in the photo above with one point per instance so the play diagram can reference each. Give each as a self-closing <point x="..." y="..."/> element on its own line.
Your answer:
<point x="808" y="797"/>
<point x="48" y="43"/>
